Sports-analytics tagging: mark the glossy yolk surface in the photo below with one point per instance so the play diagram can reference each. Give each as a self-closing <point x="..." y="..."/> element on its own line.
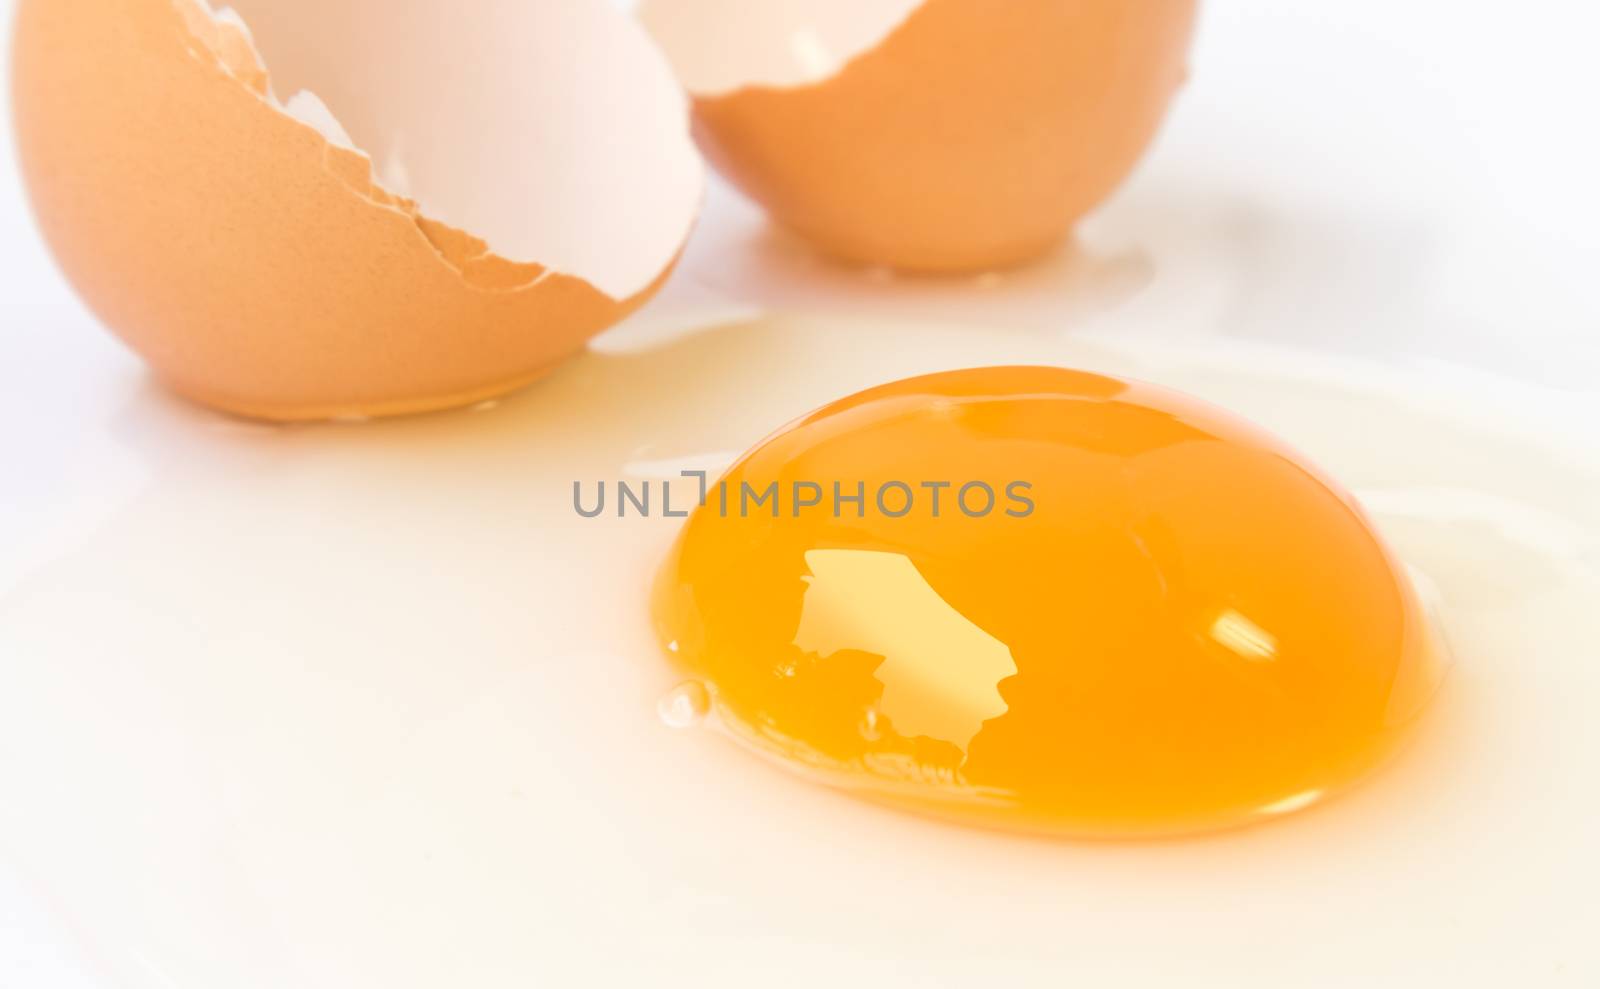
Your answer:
<point x="1165" y="621"/>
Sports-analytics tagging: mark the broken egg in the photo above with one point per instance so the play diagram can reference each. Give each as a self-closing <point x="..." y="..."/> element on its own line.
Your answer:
<point x="927" y="135"/>
<point x="303" y="210"/>
<point x="1049" y="601"/>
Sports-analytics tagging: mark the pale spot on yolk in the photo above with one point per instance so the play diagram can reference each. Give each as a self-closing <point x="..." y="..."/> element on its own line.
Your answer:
<point x="940" y="672"/>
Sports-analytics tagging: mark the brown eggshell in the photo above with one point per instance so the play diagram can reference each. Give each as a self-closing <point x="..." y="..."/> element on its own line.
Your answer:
<point x="973" y="136"/>
<point x="255" y="265"/>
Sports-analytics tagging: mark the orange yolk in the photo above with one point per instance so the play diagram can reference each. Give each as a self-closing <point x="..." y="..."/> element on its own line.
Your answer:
<point x="1049" y="601"/>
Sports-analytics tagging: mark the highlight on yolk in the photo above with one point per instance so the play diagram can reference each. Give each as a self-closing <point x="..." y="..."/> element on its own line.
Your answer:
<point x="1050" y="601"/>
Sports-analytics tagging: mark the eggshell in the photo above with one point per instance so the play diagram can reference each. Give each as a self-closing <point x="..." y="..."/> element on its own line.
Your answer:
<point x="243" y="246"/>
<point x="970" y="135"/>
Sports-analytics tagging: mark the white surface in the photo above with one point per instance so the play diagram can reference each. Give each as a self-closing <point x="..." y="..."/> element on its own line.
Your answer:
<point x="369" y="706"/>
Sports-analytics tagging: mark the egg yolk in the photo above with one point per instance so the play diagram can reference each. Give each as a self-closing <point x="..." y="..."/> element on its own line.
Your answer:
<point x="1051" y="601"/>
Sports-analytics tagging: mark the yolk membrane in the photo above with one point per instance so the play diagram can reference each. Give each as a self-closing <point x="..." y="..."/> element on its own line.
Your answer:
<point x="1050" y="601"/>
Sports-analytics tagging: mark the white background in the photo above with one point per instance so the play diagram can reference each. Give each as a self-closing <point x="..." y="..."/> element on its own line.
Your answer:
<point x="351" y="706"/>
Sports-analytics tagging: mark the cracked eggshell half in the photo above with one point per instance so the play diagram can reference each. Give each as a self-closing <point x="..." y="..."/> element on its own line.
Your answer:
<point x="305" y="209"/>
<point x="927" y="135"/>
